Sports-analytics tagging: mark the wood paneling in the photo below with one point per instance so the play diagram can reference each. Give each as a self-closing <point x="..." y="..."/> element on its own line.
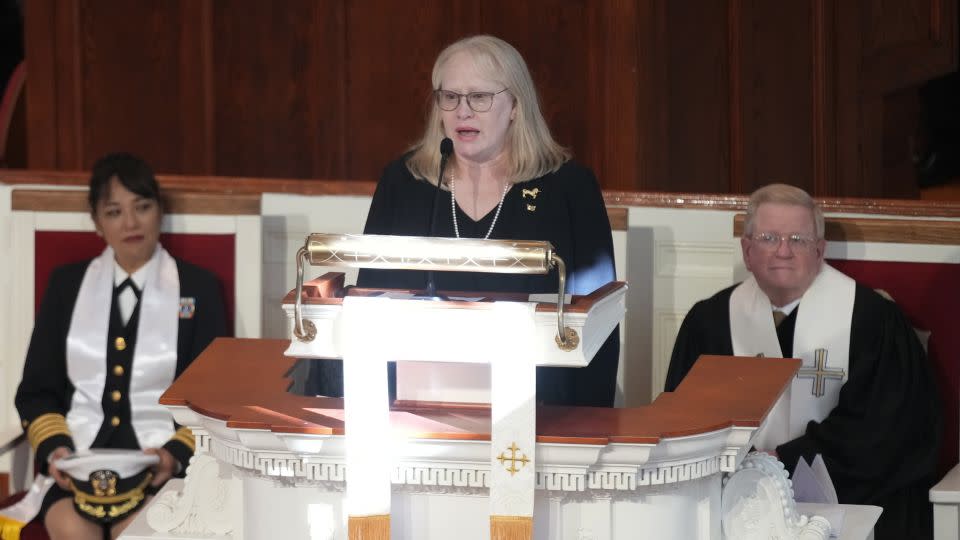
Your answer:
<point x="885" y="52"/>
<point x="279" y="88"/>
<point x="174" y="202"/>
<point x="896" y="231"/>
<point x="705" y="96"/>
<point x="616" y="200"/>
<point x="698" y="76"/>
<point x="390" y="89"/>
<point x="776" y="98"/>
<point x="129" y="88"/>
<point x="615" y="146"/>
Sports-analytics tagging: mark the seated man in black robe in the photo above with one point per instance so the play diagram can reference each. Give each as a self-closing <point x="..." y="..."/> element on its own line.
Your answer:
<point x="865" y="397"/>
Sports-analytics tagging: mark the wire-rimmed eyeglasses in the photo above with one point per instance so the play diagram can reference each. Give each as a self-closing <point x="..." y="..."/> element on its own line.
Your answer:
<point x="771" y="241"/>
<point x="449" y="100"/>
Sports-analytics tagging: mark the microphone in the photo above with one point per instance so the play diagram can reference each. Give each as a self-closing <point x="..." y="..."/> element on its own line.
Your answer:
<point x="446" y="148"/>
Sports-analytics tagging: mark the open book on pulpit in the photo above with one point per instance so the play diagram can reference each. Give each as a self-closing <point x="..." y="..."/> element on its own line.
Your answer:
<point x="506" y="336"/>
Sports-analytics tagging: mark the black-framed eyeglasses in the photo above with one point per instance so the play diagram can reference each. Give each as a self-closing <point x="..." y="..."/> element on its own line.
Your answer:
<point x="771" y="241"/>
<point x="449" y="100"/>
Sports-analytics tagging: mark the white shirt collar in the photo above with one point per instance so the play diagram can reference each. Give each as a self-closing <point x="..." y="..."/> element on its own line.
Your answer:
<point x="788" y="309"/>
<point x="139" y="277"/>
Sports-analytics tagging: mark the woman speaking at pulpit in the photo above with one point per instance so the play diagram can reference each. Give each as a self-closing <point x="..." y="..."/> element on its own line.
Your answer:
<point x="505" y="178"/>
<point x="111" y="334"/>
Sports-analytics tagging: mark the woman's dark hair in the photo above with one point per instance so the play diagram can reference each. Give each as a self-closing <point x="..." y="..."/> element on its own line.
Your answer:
<point x="130" y="170"/>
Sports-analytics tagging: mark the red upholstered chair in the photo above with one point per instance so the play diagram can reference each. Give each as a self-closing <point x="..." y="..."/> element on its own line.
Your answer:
<point x="927" y="293"/>
<point x="214" y="252"/>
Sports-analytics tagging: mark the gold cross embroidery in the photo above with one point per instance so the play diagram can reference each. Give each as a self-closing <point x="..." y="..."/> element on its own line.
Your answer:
<point x="513" y="459"/>
<point x="820" y="373"/>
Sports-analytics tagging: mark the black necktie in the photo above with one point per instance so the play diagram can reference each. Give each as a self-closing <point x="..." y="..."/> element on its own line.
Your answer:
<point x="127" y="283"/>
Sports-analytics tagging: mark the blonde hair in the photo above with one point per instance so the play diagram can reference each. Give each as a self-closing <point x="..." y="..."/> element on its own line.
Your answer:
<point x="783" y="194"/>
<point x="531" y="150"/>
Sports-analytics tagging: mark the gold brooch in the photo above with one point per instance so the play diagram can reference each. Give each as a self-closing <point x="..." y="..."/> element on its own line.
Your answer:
<point x="532" y="193"/>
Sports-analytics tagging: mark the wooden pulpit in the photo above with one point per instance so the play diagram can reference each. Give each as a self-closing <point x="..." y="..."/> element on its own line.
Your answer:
<point x="271" y="464"/>
<point x="274" y="464"/>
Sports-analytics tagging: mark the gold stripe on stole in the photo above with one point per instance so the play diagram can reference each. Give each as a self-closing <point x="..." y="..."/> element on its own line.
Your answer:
<point x="369" y="527"/>
<point x="45" y="426"/>
<point x="511" y="527"/>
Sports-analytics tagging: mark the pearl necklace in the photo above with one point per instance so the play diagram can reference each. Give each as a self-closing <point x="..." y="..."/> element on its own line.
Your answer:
<point x="453" y="207"/>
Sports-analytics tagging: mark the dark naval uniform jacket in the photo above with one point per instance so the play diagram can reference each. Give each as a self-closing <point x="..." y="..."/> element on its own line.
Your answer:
<point x="45" y="392"/>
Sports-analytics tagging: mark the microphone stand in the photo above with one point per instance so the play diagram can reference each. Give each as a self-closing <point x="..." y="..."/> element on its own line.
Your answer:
<point x="446" y="148"/>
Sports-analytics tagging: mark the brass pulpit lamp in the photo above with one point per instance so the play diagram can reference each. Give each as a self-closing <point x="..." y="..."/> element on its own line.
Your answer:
<point x="429" y="253"/>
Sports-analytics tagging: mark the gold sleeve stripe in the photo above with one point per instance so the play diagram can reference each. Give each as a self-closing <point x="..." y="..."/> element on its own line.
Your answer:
<point x="45" y="426"/>
<point x="185" y="436"/>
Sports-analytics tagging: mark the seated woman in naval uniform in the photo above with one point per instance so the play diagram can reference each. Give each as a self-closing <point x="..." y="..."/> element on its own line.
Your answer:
<point x="110" y="336"/>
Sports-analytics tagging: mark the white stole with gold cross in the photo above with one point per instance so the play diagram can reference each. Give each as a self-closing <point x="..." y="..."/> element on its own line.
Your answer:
<point x="821" y="339"/>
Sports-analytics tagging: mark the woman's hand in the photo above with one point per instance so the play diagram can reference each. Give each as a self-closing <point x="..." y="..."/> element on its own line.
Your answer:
<point x="163" y="470"/>
<point x="60" y="477"/>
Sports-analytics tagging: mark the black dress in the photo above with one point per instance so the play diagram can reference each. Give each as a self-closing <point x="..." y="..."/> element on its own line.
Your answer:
<point x="565" y="207"/>
<point x="880" y="443"/>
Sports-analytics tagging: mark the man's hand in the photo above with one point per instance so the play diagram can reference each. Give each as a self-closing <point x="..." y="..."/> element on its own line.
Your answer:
<point x="163" y="470"/>
<point x="60" y="477"/>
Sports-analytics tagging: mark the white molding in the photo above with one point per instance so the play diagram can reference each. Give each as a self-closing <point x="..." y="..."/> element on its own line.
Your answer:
<point x="248" y="277"/>
<point x="441" y="464"/>
<point x="666" y="326"/>
<point x="706" y="260"/>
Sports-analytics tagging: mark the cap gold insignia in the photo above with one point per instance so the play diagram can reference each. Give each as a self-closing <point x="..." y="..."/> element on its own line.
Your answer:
<point x="120" y="343"/>
<point x="104" y="483"/>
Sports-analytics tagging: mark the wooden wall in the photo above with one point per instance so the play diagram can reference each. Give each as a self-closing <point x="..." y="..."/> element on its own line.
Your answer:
<point x="710" y="96"/>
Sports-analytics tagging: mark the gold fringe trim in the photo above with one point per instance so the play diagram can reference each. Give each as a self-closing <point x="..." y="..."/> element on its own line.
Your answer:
<point x="10" y="528"/>
<point x="369" y="527"/>
<point x="45" y="426"/>
<point x="185" y="436"/>
<point x="511" y="528"/>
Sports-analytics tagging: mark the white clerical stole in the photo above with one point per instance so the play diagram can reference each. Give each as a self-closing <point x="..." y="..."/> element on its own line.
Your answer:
<point x="821" y="339"/>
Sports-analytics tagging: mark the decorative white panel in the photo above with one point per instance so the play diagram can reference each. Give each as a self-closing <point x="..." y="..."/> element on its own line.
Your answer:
<point x="666" y="326"/>
<point x="709" y="260"/>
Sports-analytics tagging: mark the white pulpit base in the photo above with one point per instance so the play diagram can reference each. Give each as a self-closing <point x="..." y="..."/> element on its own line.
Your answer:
<point x="373" y="329"/>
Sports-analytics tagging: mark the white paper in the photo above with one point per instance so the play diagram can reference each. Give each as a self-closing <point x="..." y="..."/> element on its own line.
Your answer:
<point x="806" y="487"/>
<point x="820" y="472"/>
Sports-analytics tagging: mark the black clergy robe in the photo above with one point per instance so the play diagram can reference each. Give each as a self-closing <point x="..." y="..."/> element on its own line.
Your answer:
<point x="565" y="207"/>
<point x="880" y="443"/>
